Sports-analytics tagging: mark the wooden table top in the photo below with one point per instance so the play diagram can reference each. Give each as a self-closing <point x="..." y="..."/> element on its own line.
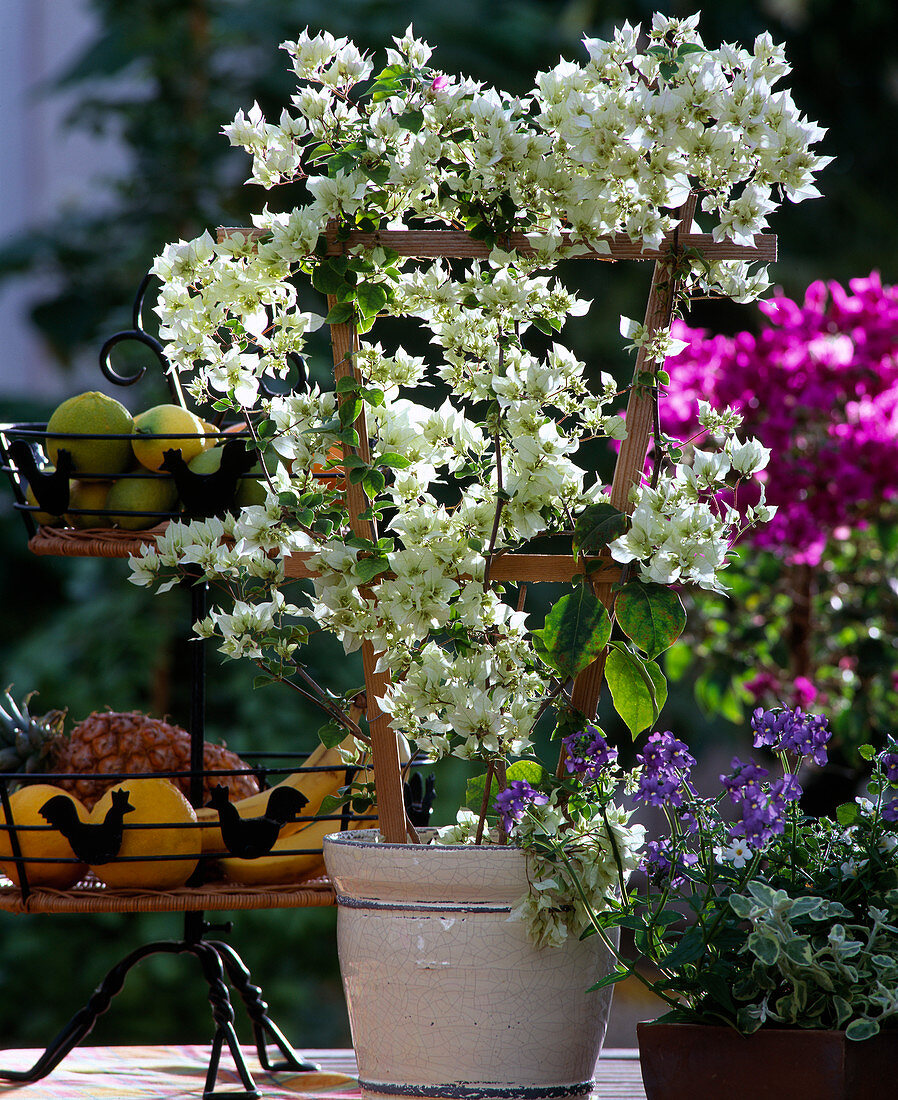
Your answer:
<point x="178" y="1073"/>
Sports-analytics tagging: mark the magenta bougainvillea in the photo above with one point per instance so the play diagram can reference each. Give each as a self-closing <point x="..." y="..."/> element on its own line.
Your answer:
<point x="819" y="387"/>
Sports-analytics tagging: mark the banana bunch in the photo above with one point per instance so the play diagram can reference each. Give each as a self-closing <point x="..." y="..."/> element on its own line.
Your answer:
<point x="315" y="785"/>
<point x="296" y="854"/>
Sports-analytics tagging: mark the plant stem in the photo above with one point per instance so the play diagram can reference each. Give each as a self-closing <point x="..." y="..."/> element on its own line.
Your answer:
<point x="484" y="805"/>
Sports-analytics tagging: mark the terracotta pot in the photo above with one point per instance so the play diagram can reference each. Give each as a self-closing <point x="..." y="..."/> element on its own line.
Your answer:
<point x="692" y="1061"/>
<point x="447" y="997"/>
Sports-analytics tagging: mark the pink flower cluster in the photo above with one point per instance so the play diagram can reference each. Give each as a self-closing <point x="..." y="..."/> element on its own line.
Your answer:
<point x="819" y="386"/>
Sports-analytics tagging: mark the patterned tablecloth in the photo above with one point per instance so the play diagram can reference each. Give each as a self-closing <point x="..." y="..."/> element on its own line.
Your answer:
<point x="178" y="1073"/>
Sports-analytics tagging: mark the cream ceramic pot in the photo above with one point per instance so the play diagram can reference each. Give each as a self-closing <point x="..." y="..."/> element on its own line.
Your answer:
<point x="447" y="996"/>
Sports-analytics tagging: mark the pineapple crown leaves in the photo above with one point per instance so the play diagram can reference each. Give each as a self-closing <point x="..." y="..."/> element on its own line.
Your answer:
<point x="24" y="738"/>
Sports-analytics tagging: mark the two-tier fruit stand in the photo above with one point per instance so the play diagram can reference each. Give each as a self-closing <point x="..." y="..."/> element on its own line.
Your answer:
<point x="218" y="961"/>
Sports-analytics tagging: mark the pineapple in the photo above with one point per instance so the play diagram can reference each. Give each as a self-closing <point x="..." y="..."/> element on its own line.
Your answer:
<point x="109" y="743"/>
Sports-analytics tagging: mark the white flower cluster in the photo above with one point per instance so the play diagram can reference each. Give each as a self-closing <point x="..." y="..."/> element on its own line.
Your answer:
<point x="614" y="145"/>
<point x="564" y="890"/>
<point x="682" y="529"/>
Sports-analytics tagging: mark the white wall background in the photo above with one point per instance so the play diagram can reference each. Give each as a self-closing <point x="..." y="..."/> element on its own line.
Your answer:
<point x="44" y="169"/>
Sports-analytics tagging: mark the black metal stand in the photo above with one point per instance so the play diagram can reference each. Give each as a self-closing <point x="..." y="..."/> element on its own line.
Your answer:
<point x="217" y="960"/>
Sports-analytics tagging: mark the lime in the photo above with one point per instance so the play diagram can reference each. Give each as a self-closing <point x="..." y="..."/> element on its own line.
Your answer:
<point x="140" y="494"/>
<point x="172" y="421"/>
<point x="84" y="496"/>
<point x="88" y="415"/>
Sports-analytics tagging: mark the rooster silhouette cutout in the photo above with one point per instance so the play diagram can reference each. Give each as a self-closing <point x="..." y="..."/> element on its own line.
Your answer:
<point x="50" y="487"/>
<point x="251" y="837"/>
<point x="207" y="495"/>
<point x="93" y="843"/>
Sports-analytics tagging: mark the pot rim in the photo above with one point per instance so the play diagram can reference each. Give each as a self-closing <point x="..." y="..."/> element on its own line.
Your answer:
<point x="361" y="838"/>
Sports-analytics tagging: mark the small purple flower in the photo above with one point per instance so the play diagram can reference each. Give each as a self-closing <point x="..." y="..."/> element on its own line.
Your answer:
<point x="660" y="859"/>
<point x="588" y="753"/>
<point x="788" y="789"/>
<point x="768" y="726"/>
<point x="762" y="809"/>
<point x="744" y="783"/>
<point x="511" y="804"/>
<point x="890" y="810"/>
<point x="666" y="763"/>
<point x="890" y="763"/>
<point x="663" y="749"/>
<point x="792" y="731"/>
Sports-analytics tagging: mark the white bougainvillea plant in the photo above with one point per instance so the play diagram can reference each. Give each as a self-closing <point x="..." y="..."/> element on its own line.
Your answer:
<point x="474" y="450"/>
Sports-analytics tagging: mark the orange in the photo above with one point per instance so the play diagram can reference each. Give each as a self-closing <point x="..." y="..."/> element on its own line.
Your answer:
<point x="38" y="840"/>
<point x="152" y="829"/>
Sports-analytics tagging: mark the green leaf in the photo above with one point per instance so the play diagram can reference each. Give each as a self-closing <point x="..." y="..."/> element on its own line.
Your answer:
<point x="764" y="947"/>
<point x="331" y="803"/>
<point x="617" y="975"/>
<point x="348" y="384"/>
<point x="341" y="314"/>
<point x="373" y="483"/>
<point x="861" y="1029"/>
<point x="377" y="173"/>
<point x="847" y="813"/>
<point x="638" y="689"/>
<point x="719" y="988"/>
<point x="366" y="569"/>
<point x="690" y="949"/>
<point x="597" y="526"/>
<point x="349" y="411"/>
<point x="474" y="789"/>
<point x="866" y="751"/>
<point x="576" y="631"/>
<point x="411" y="120"/>
<point x="331" y="734"/>
<point x="393" y="460"/>
<point x="371" y="297"/>
<point x="531" y="771"/>
<point x="326" y="279"/>
<point x="651" y="615"/>
<point x="798" y="950"/>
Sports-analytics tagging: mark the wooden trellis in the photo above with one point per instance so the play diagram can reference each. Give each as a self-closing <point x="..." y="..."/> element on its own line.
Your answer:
<point x="514" y="567"/>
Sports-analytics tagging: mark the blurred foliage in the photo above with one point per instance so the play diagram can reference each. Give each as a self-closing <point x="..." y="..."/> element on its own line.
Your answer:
<point x="164" y="78"/>
<point x="786" y="630"/>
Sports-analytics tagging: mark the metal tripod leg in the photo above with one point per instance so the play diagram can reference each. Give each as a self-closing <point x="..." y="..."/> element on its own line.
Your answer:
<point x="82" y="1023"/>
<point x="264" y="1029"/>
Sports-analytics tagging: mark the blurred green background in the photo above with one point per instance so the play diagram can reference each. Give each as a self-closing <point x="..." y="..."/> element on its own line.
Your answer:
<point x="165" y="77"/>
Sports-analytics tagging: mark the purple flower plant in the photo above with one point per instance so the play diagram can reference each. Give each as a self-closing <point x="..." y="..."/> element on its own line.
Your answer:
<point x="511" y="804"/>
<point x="762" y="809"/>
<point x="792" y="731"/>
<point x="587" y="753"/>
<point x="666" y="764"/>
<point x="662" y="859"/>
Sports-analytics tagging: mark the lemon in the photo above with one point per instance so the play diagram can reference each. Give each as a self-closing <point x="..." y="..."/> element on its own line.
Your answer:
<point x="172" y="421"/>
<point x="250" y="490"/>
<point x="84" y="496"/>
<point x="91" y="414"/>
<point x="140" y="494"/>
<point x="40" y="517"/>
<point x="42" y="842"/>
<point x="153" y="829"/>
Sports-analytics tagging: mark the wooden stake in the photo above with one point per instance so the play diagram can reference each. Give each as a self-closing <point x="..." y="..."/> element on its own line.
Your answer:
<point x="634" y="449"/>
<point x="384" y="747"/>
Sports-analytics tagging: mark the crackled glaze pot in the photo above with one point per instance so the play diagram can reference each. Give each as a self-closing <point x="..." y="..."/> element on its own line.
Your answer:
<point x="701" y="1062"/>
<point x="447" y="997"/>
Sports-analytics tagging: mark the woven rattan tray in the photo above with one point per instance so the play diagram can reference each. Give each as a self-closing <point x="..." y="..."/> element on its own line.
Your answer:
<point x="92" y="896"/>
